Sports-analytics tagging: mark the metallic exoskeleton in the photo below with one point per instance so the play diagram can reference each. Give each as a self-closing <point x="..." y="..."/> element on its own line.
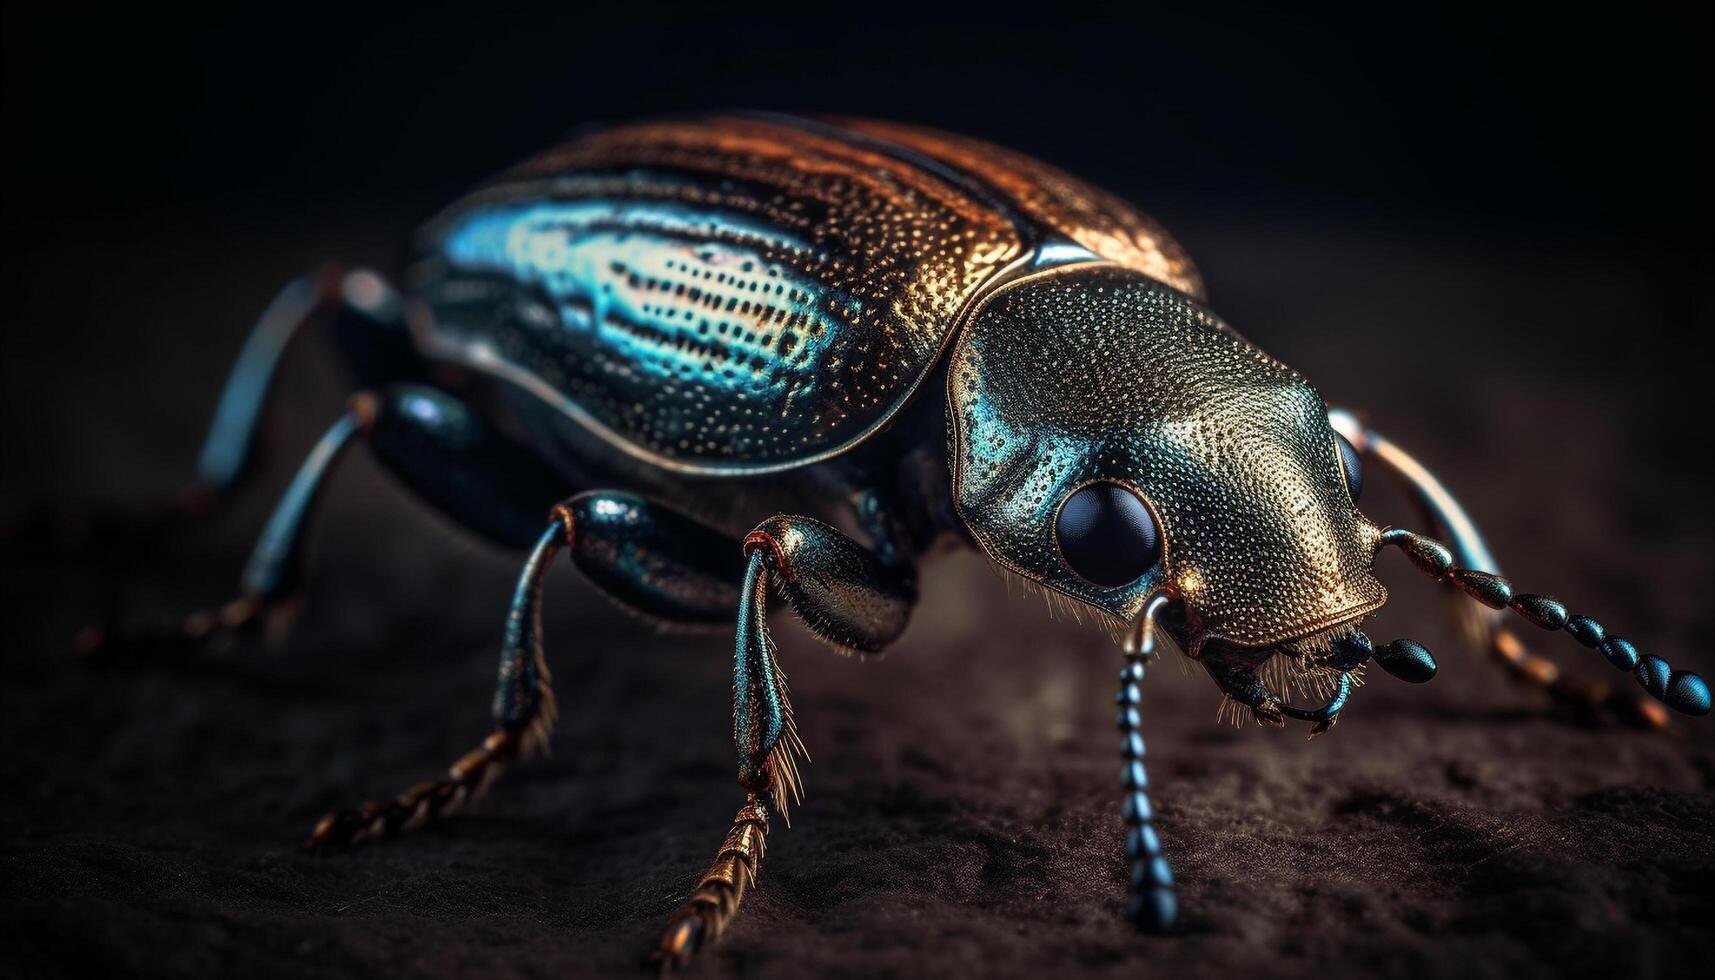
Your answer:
<point x="697" y="349"/>
<point x="1090" y="372"/>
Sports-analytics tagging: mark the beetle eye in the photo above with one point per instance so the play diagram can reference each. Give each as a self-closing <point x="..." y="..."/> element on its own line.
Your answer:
<point x="1352" y="465"/>
<point x="1107" y="535"/>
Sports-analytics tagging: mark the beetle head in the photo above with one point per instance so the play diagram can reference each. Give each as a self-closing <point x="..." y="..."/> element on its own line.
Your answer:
<point x="1091" y="404"/>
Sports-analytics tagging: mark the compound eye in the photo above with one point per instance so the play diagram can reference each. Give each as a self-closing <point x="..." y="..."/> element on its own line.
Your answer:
<point x="1107" y="535"/>
<point x="1351" y="465"/>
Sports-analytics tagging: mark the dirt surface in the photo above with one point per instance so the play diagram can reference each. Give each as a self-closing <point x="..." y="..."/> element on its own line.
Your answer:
<point x="962" y="814"/>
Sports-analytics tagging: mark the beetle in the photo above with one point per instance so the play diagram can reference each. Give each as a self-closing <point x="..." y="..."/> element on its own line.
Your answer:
<point x="735" y="363"/>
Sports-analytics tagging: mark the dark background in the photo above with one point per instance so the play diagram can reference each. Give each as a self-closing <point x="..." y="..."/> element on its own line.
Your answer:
<point x="1487" y="229"/>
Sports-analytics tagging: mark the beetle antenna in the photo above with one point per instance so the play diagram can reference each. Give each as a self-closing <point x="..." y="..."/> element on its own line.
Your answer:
<point x="1154" y="904"/>
<point x="1681" y="690"/>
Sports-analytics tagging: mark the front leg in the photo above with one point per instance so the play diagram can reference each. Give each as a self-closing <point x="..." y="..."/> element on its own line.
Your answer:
<point x="849" y="597"/>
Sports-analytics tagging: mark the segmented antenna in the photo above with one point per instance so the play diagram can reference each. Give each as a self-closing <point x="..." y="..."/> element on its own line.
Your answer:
<point x="1154" y="904"/>
<point x="1681" y="690"/>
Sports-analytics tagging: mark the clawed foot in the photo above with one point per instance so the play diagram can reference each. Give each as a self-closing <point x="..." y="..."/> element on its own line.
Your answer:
<point x="685" y="934"/>
<point x="377" y="819"/>
<point x="431" y="800"/>
<point x="705" y="915"/>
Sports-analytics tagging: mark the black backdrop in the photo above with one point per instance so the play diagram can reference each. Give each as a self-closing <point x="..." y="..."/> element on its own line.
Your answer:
<point x="1467" y="114"/>
<point x="1488" y="228"/>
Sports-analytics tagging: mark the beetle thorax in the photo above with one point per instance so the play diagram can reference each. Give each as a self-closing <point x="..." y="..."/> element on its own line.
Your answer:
<point x="1100" y="374"/>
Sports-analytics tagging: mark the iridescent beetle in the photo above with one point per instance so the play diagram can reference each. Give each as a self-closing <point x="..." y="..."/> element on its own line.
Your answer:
<point x="638" y="344"/>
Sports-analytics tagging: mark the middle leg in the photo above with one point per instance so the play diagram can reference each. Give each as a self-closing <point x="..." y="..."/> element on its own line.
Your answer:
<point x="851" y="598"/>
<point x="641" y="554"/>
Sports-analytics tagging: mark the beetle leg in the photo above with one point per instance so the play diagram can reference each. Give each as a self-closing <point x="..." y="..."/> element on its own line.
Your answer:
<point x="369" y="326"/>
<point x="1583" y="698"/>
<point x="640" y="553"/>
<point x="368" y="310"/>
<point x="523" y="707"/>
<point x="426" y="437"/>
<point x="271" y="573"/>
<point x="850" y="598"/>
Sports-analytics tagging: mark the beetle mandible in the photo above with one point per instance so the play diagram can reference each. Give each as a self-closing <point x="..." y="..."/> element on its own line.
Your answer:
<point x="636" y="345"/>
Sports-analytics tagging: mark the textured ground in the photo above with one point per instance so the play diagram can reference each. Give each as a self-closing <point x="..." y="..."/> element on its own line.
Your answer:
<point x="962" y="811"/>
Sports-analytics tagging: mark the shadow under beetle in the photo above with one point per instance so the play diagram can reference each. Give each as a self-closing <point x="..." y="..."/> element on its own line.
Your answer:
<point x="634" y="346"/>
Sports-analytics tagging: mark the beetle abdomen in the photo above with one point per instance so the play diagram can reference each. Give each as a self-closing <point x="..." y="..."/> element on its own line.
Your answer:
<point x="740" y="294"/>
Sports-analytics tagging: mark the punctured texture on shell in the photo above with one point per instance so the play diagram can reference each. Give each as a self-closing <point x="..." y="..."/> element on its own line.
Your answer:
<point x="718" y="295"/>
<point x="1098" y="373"/>
<point x="1106" y="225"/>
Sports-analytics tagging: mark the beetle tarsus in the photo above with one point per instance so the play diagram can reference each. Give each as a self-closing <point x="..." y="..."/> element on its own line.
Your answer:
<point x="524" y="708"/>
<point x="737" y="865"/>
<point x="431" y="800"/>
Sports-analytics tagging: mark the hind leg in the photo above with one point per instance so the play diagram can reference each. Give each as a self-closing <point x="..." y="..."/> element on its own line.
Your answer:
<point x="428" y="438"/>
<point x="269" y="577"/>
<point x="369" y="327"/>
<point x="641" y="554"/>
